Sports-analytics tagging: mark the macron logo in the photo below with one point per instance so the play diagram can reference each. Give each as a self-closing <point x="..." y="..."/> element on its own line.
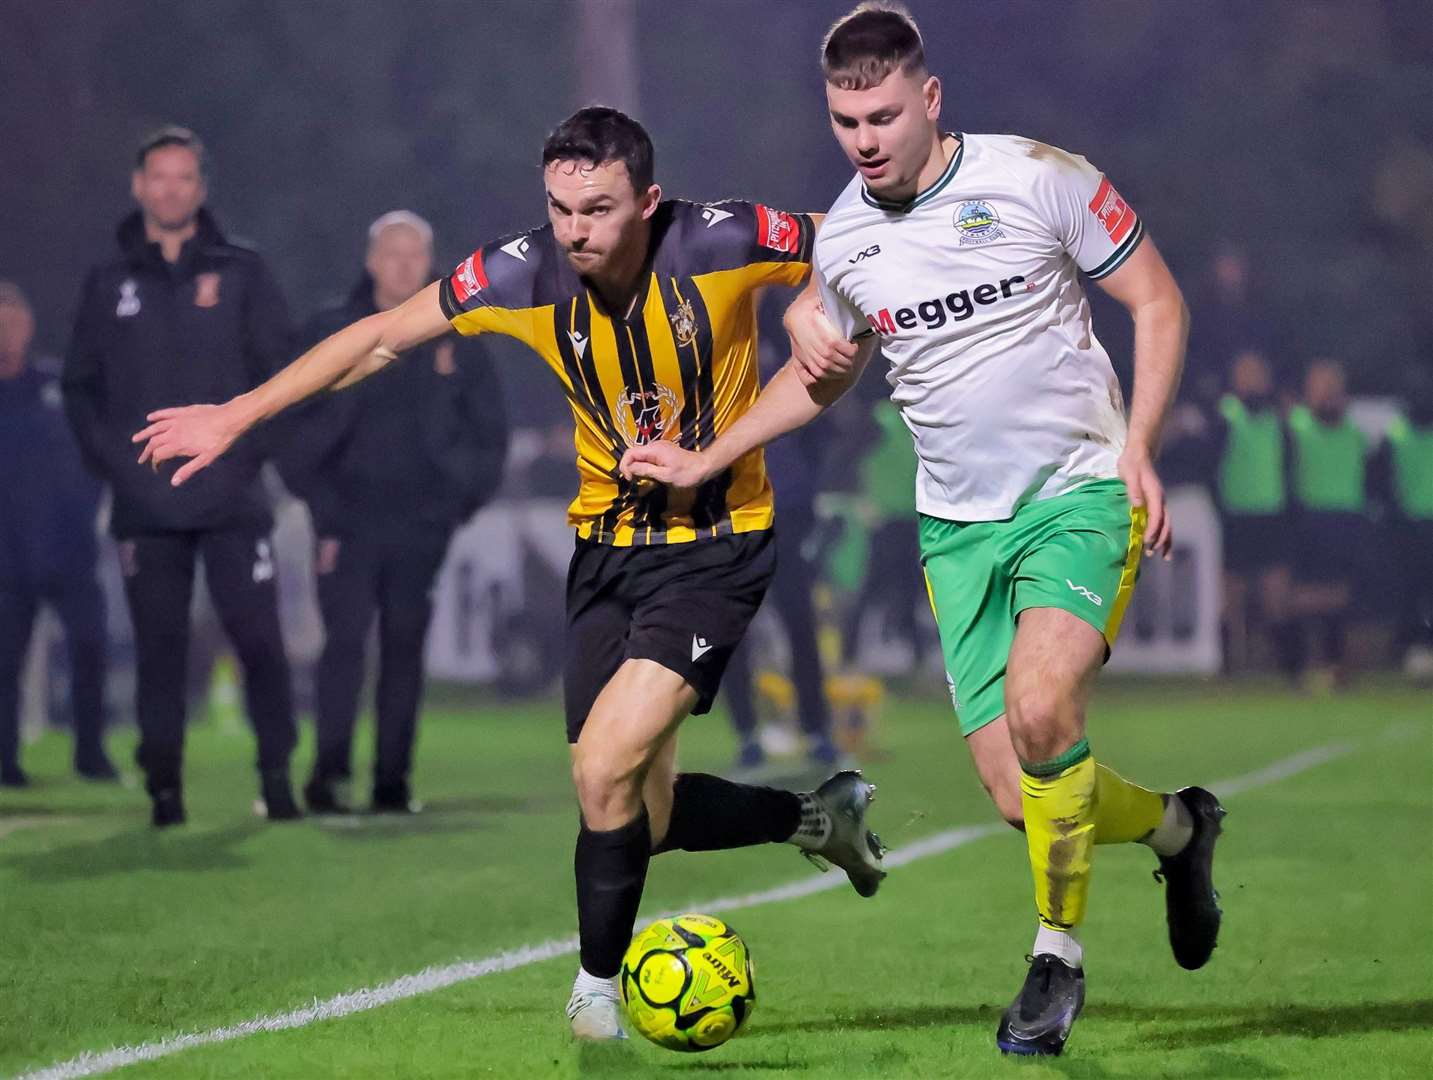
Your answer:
<point x="712" y="216"/>
<point x="579" y="343"/>
<point x="1091" y="597"/>
<point x="699" y="648"/>
<point x="517" y="248"/>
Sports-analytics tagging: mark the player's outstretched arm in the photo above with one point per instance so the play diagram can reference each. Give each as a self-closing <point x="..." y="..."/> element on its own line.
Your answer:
<point x="1146" y="288"/>
<point x="786" y="403"/>
<point x="203" y="432"/>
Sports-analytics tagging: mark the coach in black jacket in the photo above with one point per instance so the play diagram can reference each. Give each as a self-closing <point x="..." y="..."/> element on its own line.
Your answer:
<point x="181" y="314"/>
<point x="389" y="469"/>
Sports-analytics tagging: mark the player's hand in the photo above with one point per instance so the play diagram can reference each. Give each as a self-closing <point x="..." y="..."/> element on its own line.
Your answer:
<point x="819" y="349"/>
<point x="665" y="462"/>
<point x="1142" y="482"/>
<point x="198" y="432"/>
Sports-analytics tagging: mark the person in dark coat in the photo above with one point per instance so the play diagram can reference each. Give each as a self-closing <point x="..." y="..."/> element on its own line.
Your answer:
<point x="389" y="468"/>
<point x="48" y="544"/>
<point x="180" y="313"/>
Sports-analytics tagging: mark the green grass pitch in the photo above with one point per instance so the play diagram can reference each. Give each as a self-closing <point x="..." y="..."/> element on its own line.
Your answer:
<point x="114" y="935"/>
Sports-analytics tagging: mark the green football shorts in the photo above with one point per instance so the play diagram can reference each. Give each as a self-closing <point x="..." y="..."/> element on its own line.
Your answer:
<point x="1078" y="552"/>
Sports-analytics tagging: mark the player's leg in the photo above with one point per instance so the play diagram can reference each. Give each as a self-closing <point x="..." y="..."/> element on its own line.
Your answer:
<point x="694" y="609"/>
<point x="628" y="730"/>
<point x="1075" y="560"/>
<point x="1124" y="812"/>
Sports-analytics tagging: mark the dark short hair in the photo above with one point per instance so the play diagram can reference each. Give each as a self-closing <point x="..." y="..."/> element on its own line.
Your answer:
<point x="868" y="43"/>
<point x="170" y="135"/>
<point x="598" y="135"/>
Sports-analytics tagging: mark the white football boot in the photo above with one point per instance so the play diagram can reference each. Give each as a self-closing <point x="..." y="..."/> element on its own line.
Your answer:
<point x="593" y="1010"/>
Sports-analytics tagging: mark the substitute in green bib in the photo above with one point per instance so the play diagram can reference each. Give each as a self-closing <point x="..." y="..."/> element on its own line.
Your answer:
<point x="1328" y="473"/>
<point x="1404" y="477"/>
<point x="1252" y="485"/>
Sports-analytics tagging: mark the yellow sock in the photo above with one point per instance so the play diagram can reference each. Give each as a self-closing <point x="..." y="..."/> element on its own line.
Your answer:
<point x="1124" y="812"/>
<point x="1058" y="798"/>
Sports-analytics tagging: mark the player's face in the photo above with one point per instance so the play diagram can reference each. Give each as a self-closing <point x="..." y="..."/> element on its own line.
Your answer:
<point x="169" y="188"/>
<point x="597" y="215"/>
<point x="888" y="130"/>
<point x="400" y="262"/>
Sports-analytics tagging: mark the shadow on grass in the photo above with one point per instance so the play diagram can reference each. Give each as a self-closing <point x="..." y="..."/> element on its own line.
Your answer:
<point x="442" y="815"/>
<point x="624" y="1059"/>
<point x="1166" y="1028"/>
<point x="143" y="848"/>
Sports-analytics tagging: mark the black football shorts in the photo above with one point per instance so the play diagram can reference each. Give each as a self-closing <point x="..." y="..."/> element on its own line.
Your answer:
<point x="684" y="606"/>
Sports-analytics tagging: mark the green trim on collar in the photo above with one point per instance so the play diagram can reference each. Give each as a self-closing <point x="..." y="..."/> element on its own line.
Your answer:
<point x="926" y="195"/>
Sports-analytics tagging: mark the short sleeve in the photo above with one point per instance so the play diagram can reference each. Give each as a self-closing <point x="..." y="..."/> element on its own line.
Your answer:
<point x="492" y="290"/>
<point x="775" y="245"/>
<point x="840" y="311"/>
<point x="1092" y="220"/>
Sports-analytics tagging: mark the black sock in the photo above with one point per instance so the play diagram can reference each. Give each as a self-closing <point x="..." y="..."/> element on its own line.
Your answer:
<point x="611" y="868"/>
<point x="712" y="814"/>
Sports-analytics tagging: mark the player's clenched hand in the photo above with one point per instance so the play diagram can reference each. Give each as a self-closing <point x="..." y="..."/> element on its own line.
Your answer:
<point x="819" y="349"/>
<point x="1142" y="483"/>
<point x="665" y="462"/>
<point x="198" y="432"/>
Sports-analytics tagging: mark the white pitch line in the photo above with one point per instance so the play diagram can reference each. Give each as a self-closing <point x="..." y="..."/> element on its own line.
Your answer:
<point x="437" y="978"/>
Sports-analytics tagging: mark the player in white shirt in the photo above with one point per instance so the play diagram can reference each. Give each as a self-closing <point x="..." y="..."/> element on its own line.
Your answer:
<point x="960" y="258"/>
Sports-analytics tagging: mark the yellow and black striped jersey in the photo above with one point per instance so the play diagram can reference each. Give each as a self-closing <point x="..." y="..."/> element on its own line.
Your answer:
<point x="681" y="366"/>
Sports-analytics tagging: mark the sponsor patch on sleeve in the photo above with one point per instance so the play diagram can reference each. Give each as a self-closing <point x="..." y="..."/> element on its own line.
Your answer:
<point x="777" y="230"/>
<point x="1115" y="215"/>
<point x="469" y="278"/>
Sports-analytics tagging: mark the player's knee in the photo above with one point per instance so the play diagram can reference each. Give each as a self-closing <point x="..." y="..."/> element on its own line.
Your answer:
<point x="607" y="788"/>
<point x="1031" y="713"/>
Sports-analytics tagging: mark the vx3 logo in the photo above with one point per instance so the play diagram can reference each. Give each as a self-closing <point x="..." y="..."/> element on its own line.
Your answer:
<point x="1093" y="598"/>
<point x="870" y="252"/>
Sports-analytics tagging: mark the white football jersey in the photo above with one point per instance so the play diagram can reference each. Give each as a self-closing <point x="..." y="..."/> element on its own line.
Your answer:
<point x="974" y="290"/>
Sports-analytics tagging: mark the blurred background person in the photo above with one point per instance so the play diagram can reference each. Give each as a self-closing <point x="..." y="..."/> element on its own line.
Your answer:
<point x="389" y="469"/>
<point x="181" y="314"/>
<point x="48" y="545"/>
<point x="1251" y="477"/>
<point x="1329" y="485"/>
<point x="892" y="588"/>
<point x="794" y="465"/>
<point x="1404" y="476"/>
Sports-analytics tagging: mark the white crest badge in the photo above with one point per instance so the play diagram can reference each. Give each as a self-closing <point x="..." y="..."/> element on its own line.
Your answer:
<point x="128" y="306"/>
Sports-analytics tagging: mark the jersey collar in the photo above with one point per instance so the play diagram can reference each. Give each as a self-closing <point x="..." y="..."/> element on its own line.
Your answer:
<point x="929" y="193"/>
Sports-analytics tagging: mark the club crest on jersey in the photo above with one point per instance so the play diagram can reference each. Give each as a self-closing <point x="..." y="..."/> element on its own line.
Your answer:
<point x="206" y="290"/>
<point x="977" y="222"/>
<point x="684" y="324"/>
<point x="647" y="415"/>
<point x="128" y="306"/>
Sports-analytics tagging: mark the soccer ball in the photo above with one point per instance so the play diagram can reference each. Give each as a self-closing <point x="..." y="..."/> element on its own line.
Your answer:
<point x="687" y="982"/>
